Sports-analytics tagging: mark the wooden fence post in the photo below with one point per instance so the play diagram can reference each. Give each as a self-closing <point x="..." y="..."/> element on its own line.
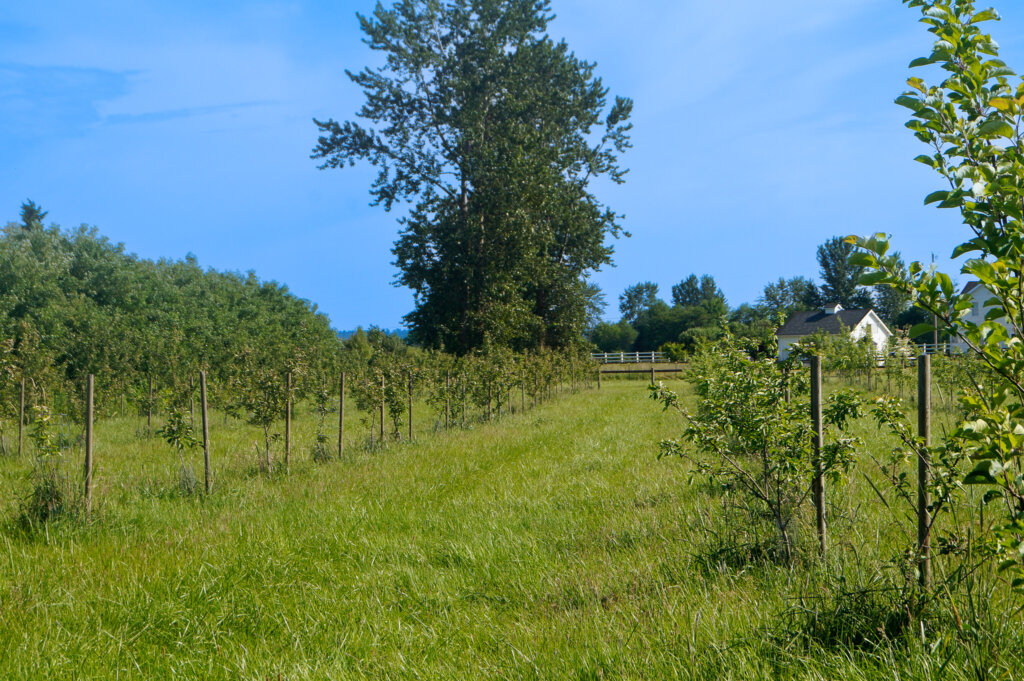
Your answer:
<point x="447" y="399"/>
<point x="924" y="429"/>
<point x="341" y="417"/>
<point x="463" y="400"/>
<point x="383" y="399"/>
<point x="653" y="382"/>
<point x="818" y="484"/>
<point x="488" y="401"/>
<point x="88" y="442"/>
<point x="410" y="407"/>
<point x="287" y="421"/>
<point x="149" y="410"/>
<point x="522" y="395"/>
<point x="21" y="418"/>
<point x="204" y="407"/>
<point x="599" y="376"/>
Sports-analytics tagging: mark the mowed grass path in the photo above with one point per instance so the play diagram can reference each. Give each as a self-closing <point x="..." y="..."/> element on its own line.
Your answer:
<point x="546" y="545"/>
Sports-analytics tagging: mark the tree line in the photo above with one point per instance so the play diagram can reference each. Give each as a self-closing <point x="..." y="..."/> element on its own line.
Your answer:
<point x="698" y="307"/>
<point x="72" y="303"/>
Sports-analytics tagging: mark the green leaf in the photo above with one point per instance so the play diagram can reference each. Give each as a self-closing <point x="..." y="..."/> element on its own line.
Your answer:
<point x="927" y="160"/>
<point x="968" y="247"/>
<point x="985" y="15"/>
<point x="912" y="103"/>
<point x="921" y="61"/>
<point x="872" y="278"/>
<point x="996" y="127"/>
<point x="984" y="473"/>
<point x="1003" y="104"/>
<point x="936" y="197"/>
<point x="920" y="330"/>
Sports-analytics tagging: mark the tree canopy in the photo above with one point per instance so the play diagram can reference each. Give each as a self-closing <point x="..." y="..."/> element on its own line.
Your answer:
<point x="494" y="132"/>
<point x="840" y="279"/>
<point x="72" y="303"/>
<point x="636" y="299"/>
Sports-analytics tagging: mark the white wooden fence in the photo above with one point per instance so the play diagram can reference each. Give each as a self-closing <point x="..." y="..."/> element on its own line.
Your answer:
<point x="630" y="357"/>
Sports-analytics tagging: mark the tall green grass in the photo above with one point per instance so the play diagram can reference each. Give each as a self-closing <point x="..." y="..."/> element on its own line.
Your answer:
<point x="546" y="545"/>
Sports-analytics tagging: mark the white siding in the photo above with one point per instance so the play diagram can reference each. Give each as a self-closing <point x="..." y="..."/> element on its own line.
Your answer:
<point x="879" y="335"/>
<point x="784" y="344"/>
<point x="981" y="296"/>
<point x="879" y="332"/>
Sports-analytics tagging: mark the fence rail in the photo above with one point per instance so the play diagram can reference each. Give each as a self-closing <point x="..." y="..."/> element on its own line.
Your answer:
<point x="630" y="357"/>
<point x="936" y="348"/>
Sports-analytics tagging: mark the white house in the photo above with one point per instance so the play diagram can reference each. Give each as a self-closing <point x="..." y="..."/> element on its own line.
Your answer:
<point x="831" y="320"/>
<point x="980" y="296"/>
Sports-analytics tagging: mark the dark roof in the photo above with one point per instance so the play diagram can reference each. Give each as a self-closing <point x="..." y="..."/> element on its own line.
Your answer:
<point x="806" y="323"/>
<point x="971" y="285"/>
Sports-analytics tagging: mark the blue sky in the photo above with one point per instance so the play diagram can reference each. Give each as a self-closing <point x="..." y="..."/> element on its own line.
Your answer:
<point x="761" y="129"/>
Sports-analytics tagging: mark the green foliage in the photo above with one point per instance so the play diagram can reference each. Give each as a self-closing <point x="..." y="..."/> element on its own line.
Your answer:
<point x="972" y="122"/>
<point x="72" y="303"/>
<point x="637" y="299"/>
<point x="785" y="296"/>
<point x="52" y="496"/>
<point x="496" y="132"/>
<point x="179" y="434"/>
<point x="891" y="302"/>
<point x="839" y="352"/>
<point x="841" y="279"/>
<point x="259" y="394"/>
<point x="691" y="291"/>
<point x="32" y="216"/>
<point x="618" y="337"/>
<point x="662" y="324"/>
<point x="752" y="442"/>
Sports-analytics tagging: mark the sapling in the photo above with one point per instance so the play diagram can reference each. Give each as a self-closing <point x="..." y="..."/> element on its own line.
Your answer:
<point x="179" y="434"/>
<point x="745" y="437"/>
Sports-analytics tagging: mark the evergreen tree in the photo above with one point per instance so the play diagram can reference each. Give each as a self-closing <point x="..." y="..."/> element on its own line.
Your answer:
<point x="32" y="215"/>
<point x="839" y="278"/>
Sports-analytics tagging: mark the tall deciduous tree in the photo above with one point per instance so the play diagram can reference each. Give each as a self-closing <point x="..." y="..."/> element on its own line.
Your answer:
<point x="693" y="291"/>
<point x="495" y="132"/>
<point x="784" y="296"/>
<point x="636" y="299"/>
<point x="892" y="302"/>
<point x="839" y="277"/>
<point x="687" y="292"/>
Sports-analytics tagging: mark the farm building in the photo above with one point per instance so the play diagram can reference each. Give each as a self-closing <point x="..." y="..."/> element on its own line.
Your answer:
<point x="979" y="309"/>
<point x="833" y="319"/>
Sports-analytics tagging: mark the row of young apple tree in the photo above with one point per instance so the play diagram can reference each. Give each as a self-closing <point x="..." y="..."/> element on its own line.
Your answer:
<point x="389" y="383"/>
<point x="944" y="514"/>
<point x="782" y="449"/>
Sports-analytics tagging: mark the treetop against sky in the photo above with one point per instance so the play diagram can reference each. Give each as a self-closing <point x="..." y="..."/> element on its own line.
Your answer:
<point x="175" y="127"/>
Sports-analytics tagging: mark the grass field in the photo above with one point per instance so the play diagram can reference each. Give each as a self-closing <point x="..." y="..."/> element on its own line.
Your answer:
<point x="547" y="545"/>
